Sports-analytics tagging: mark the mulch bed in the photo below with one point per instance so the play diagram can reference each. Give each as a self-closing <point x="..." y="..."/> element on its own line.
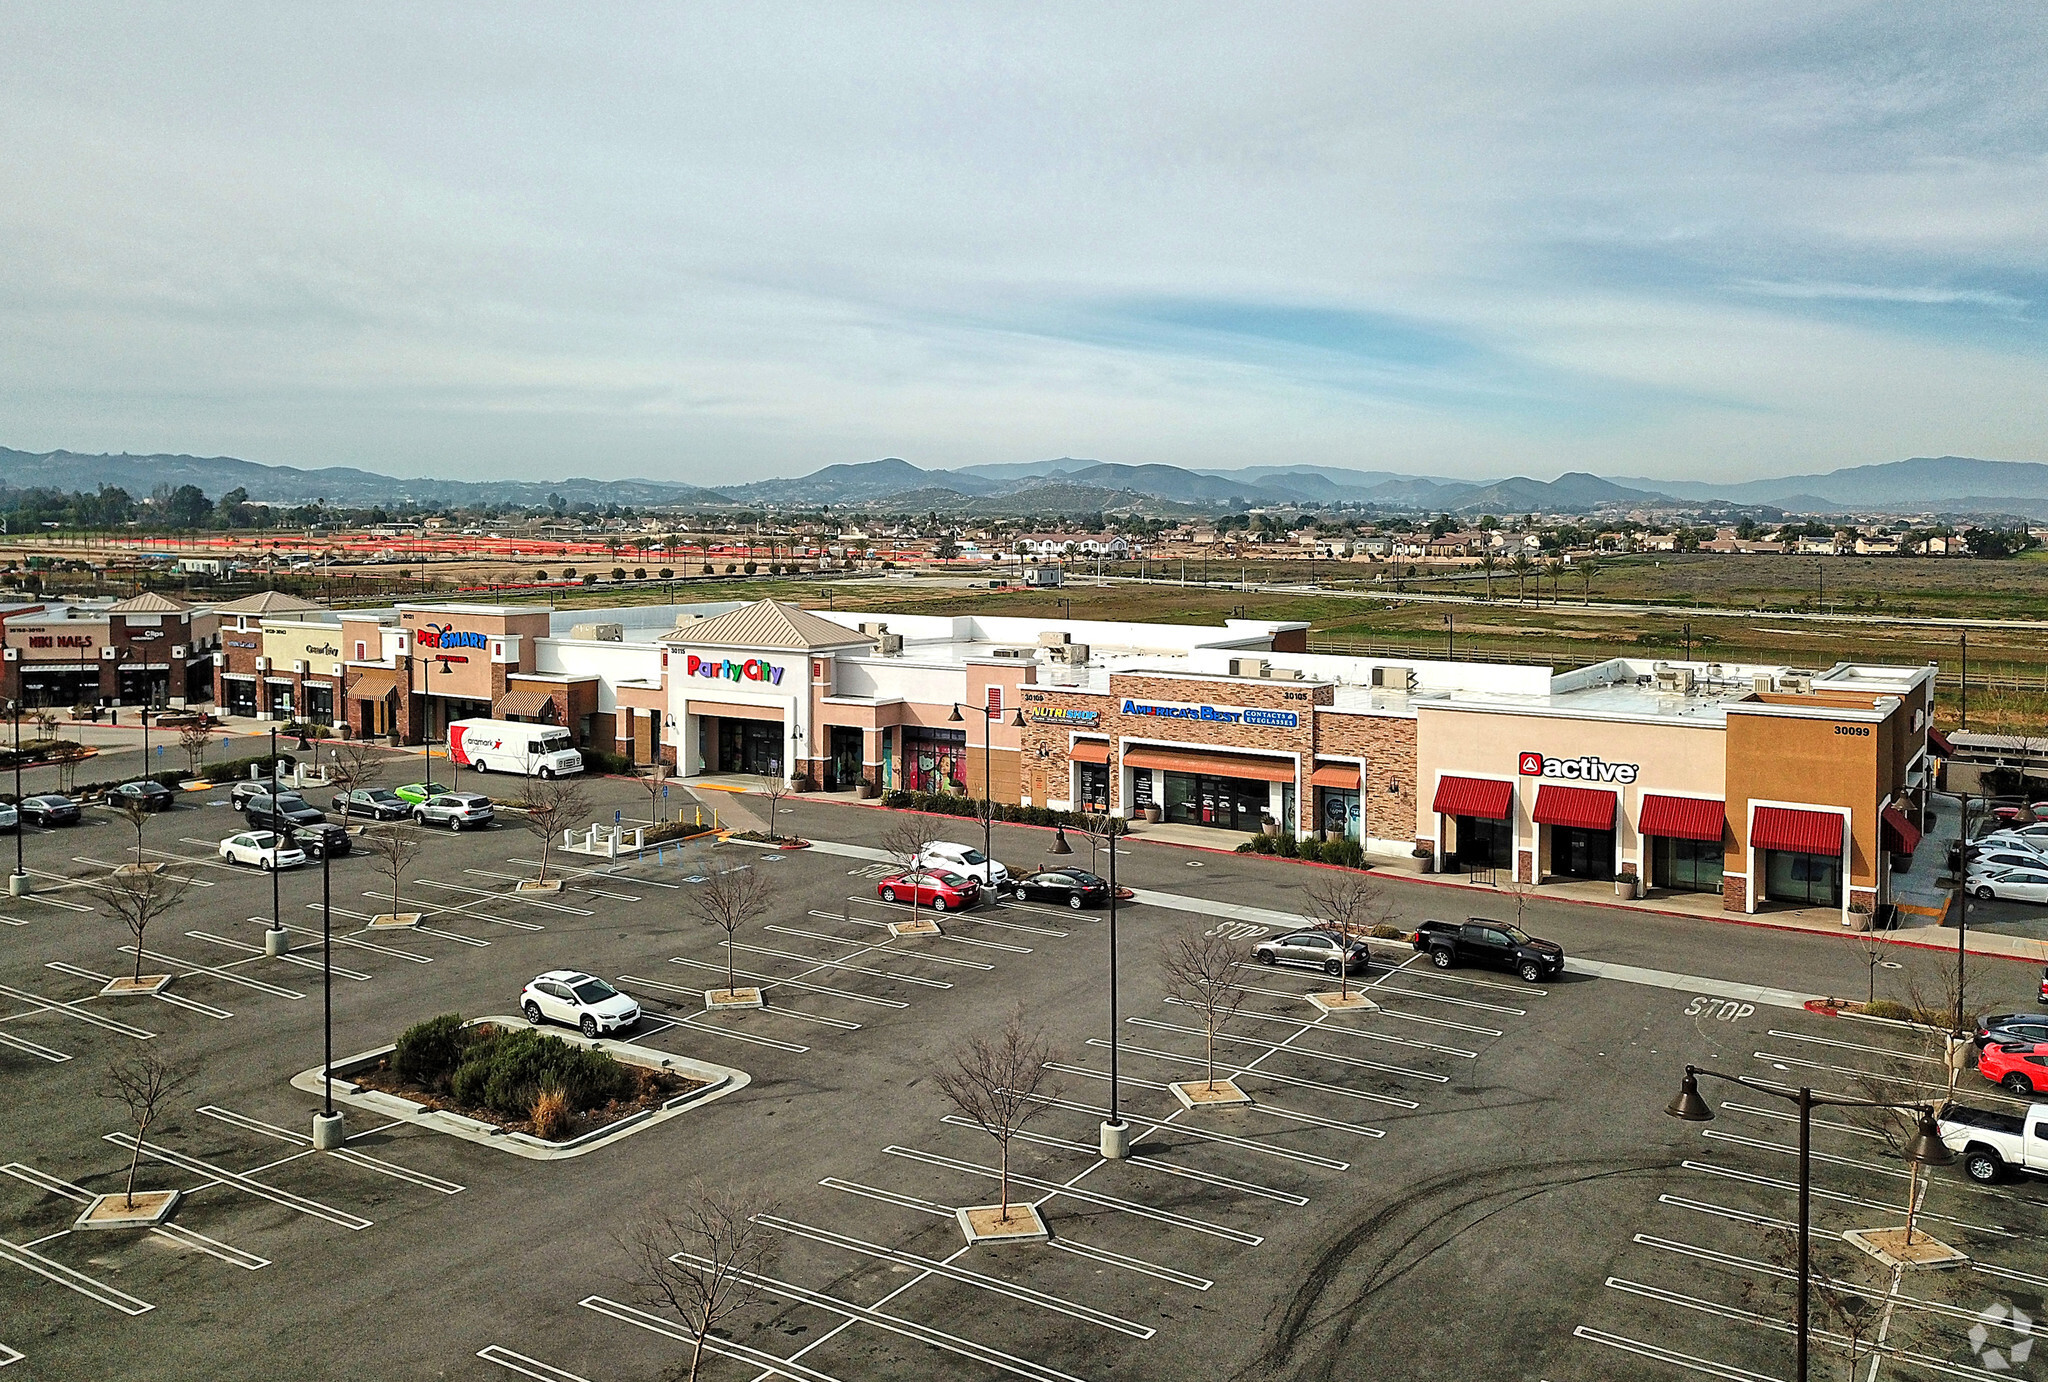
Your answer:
<point x="656" y="1088"/>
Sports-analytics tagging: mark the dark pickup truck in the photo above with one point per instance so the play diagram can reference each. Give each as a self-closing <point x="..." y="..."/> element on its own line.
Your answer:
<point x="1498" y="944"/>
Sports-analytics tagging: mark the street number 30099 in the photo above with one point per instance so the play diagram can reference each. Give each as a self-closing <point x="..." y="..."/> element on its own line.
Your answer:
<point x="1725" y="1009"/>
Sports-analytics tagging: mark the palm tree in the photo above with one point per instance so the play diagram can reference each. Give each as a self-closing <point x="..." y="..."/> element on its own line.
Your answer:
<point x="1587" y="568"/>
<point x="1521" y="566"/>
<point x="1486" y="564"/>
<point x="1556" y="575"/>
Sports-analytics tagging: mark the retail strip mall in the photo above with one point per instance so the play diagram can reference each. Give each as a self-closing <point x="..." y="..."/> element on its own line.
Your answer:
<point x="1769" y="786"/>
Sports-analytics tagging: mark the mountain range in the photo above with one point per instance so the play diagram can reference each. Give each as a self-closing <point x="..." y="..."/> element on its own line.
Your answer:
<point x="1066" y="485"/>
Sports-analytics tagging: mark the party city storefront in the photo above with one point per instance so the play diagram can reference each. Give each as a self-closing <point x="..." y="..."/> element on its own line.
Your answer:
<point x="1801" y="798"/>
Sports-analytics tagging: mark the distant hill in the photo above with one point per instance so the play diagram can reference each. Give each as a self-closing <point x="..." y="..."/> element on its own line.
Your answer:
<point x="1923" y="484"/>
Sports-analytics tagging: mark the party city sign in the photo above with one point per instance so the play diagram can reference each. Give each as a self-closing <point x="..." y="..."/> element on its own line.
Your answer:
<point x="1283" y="719"/>
<point x="753" y="669"/>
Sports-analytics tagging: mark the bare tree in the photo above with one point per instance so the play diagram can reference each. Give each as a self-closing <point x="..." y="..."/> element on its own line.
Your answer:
<point x="67" y="768"/>
<point x="136" y="812"/>
<point x="775" y="790"/>
<point x="1201" y="972"/>
<point x="1846" y="1296"/>
<point x="553" y="804"/>
<point x="907" y="838"/>
<point x="730" y="900"/>
<point x="394" y="847"/>
<point x="194" y="739"/>
<point x="1350" y="904"/>
<point x="703" y="1260"/>
<point x="996" y="1083"/>
<point x="46" y="724"/>
<point x="352" y="764"/>
<point x="655" y="782"/>
<point x="137" y="899"/>
<point x="143" y="1084"/>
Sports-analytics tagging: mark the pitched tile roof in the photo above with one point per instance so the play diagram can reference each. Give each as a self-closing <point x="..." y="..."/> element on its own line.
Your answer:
<point x="149" y="602"/>
<point x="266" y="602"/>
<point x="767" y="624"/>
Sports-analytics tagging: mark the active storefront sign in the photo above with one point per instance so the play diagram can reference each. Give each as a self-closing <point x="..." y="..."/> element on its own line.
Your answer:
<point x="1584" y="769"/>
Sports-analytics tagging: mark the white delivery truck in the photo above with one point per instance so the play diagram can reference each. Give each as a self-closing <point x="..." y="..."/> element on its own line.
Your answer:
<point x="506" y="746"/>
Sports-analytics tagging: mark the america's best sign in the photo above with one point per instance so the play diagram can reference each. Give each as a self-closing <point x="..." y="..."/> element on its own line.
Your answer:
<point x="1585" y="769"/>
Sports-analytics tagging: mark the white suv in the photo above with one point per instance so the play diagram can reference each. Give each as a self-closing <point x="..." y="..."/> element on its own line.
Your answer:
<point x="943" y="856"/>
<point x="454" y="810"/>
<point x="580" y="1000"/>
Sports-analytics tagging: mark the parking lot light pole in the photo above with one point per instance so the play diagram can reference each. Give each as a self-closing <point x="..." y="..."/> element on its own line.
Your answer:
<point x="327" y="1134"/>
<point x="1116" y="1133"/>
<point x="17" y="883"/>
<point x="1926" y="1149"/>
<point x="988" y="791"/>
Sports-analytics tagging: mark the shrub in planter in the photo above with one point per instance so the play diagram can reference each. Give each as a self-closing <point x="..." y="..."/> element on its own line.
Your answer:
<point x="429" y="1052"/>
<point x="1384" y="932"/>
<point x="1347" y="852"/>
<point x="1288" y="847"/>
<point x="1885" y="1007"/>
<point x="598" y="761"/>
<point x="1311" y="850"/>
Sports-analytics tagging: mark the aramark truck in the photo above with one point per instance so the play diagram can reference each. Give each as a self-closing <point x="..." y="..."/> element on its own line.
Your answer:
<point x="506" y="746"/>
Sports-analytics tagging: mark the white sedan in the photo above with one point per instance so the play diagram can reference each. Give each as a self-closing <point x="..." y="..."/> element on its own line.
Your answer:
<point x="579" y="1000"/>
<point x="261" y="849"/>
<point x="2015" y="884"/>
<point x="944" y="856"/>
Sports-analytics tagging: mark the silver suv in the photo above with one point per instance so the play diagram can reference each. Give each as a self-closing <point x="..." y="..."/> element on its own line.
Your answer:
<point x="454" y="810"/>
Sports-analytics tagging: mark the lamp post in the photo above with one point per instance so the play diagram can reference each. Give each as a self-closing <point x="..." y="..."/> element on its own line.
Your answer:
<point x="1116" y="1133"/>
<point x="1926" y="1149"/>
<point x="277" y="834"/>
<point x="988" y="791"/>
<point x="17" y="882"/>
<point x="1450" y="637"/>
<point x="327" y="1134"/>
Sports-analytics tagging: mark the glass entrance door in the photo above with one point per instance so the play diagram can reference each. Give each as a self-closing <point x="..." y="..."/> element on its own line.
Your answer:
<point x="1337" y="815"/>
<point x="1808" y="880"/>
<point x="1580" y="853"/>
<point x="750" y="746"/>
<point x="843" y="768"/>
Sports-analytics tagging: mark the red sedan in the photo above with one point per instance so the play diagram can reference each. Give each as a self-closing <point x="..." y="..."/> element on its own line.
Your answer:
<point x="939" y="891"/>
<point x="2019" y="1067"/>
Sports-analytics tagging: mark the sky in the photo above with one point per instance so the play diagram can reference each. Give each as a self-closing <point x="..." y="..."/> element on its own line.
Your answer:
<point x="720" y="243"/>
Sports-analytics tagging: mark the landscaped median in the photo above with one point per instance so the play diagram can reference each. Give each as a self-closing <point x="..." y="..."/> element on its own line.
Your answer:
<point x="503" y="1083"/>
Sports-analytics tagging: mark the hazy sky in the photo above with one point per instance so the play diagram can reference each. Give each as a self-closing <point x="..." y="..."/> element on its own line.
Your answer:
<point x="717" y="243"/>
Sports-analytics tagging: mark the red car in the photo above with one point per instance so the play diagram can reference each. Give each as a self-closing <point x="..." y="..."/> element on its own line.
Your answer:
<point x="2017" y="1067"/>
<point x="939" y="891"/>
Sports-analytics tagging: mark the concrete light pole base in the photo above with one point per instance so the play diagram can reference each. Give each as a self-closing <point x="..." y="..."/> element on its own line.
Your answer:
<point x="327" y="1131"/>
<point x="276" y="941"/>
<point x="18" y="885"/>
<point x="1116" y="1141"/>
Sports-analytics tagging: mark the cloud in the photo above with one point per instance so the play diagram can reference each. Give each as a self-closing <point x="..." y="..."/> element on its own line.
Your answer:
<point x="711" y="244"/>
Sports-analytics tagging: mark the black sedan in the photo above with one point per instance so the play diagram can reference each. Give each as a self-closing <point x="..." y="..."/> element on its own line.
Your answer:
<point x="281" y="811"/>
<point x="50" y="809"/>
<point x="2012" y="1028"/>
<point x="148" y="793"/>
<point x="1076" y="888"/>
<point x="375" y="803"/>
<point x="322" y="840"/>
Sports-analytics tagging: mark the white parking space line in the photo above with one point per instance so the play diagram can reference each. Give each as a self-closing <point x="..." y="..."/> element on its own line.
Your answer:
<point x="9" y="1356"/>
<point x="348" y="1154"/>
<point x="894" y="952"/>
<point x="1348" y="1030"/>
<point x="1202" y="1134"/>
<point x="1740" y="1216"/>
<point x="965" y="1275"/>
<point x="1838" y="1197"/>
<point x="976" y="916"/>
<point x="1176" y="1058"/>
<point x="174" y="1000"/>
<point x="1885" y="1051"/>
<point x="494" y="895"/>
<point x="1140" y="1163"/>
<point x="237" y="1181"/>
<point x="174" y="1233"/>
<point x="74" y="1010"/>
<point x="525" y="1366"/>
<point x="30" y="1048"/>
<point x="86" y="1286"/>
<point x="1143" y="1211"/>
<point x="1689" y="983"/>
<point x="1855" y="1072"/>
<point x="425" y="930"/>
<point x="1269" y="1110"/>
<point x="212" y="972"/>
<point x="773" y="1043"/>
<point x="771" y="981"/>
<point x="339" y="939"/>
<point x="1407" y="992"/>
<point x="816" y="964"/>
<point x="1780" y="1116"/>
<point x="1131" y="1264"/>
<point x="1356" y="1061"/>
<point x="1704" y="1366"/>
<point x="1825" y="1158"/>
<point x="743" y="1353"/>
<point x="256" y="952"/>
<point x="956" y="940"/>
<point x="46" y="900"/>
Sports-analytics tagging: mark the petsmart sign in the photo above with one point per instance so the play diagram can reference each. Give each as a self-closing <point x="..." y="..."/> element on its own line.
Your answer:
<point x="1586" y="769"/>
<point x="725" y="669"/>
<point x="1216" y="714"/>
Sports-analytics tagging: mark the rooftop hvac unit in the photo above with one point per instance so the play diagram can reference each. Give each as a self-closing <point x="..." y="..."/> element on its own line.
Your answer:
<point x="1247" y="667"/>
<point x="1394" y="678"/>
<point x="1073" y="654"/>
<point x="1674" y="678"/>
<point x="1283" y="674"/>
<point x="1014" y="654"/>
<point x="599" y="633"/>
<point x="1713" y="671"/>
<point x="1798" y="686"/>
<point x="1762" y="683"/>
<point x="890" y="644"/>
<point x="876" y="629"/>
<point x="1053" y="640"/>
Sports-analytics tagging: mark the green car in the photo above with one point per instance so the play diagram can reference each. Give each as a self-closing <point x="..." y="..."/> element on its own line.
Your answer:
<point x="413" y="793"/>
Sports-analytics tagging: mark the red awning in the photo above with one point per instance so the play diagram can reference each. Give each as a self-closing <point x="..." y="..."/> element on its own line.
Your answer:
<point x="1683" y="818"/>
<point x="1585" y="808"/>
<point x="1215" y="764"/>
<point x="1342" y="776"/>
<point x="1900" y="834"/>
<point x="1486" y="798"/>
<point x="1938" y="742"/>
<point x="1085" y="752"/>
<point x="1803" y="832"/>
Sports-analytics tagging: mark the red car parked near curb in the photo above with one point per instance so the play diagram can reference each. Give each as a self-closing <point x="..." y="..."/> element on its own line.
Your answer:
<point x="2016" y="1067"/>
<point x="941" y="892"/>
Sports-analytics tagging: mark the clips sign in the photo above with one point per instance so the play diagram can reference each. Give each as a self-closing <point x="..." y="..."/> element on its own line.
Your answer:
<point x="753" y="669"/>
<point x="1586" y="769"/>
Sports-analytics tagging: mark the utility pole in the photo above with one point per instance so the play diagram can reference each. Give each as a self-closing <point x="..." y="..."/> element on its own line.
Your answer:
<point x="1965" y="636"/>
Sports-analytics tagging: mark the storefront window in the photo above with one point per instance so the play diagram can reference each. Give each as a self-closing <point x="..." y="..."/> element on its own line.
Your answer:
<point x="320" y="704"/>
<point x="750" y="746"/>
<point x="1579" y="853"/>
<point x="1337" y="814"/>
<point x="1092" y="780"/>
<point x="241" y="697"/>
<point x="281" y="699"/>
<point x="1810" y="880"/>
<point x="1484" y="844"/>
<point x="935" y="760"/>
<point x="1685" y="866"/>
<point x="1225" y="803"/>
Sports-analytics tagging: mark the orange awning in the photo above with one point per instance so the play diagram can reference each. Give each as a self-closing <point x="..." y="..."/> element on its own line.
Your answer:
<point x="372" y="683"/>
<point x="1342" y="776"/>
<point x="1215" y="764"/>
<point x="1087" y="752"/>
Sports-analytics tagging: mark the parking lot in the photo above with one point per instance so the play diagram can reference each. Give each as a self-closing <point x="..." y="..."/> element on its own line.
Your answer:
<point x="1475" y="1178"/>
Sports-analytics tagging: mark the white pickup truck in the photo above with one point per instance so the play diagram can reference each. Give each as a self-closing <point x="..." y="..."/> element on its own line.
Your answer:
<point x="1993" y="1143"/>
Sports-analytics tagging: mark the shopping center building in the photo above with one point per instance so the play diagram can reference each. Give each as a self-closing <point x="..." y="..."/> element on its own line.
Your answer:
<point x="146" y="650"/>
<point x="1766" y="785"/>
